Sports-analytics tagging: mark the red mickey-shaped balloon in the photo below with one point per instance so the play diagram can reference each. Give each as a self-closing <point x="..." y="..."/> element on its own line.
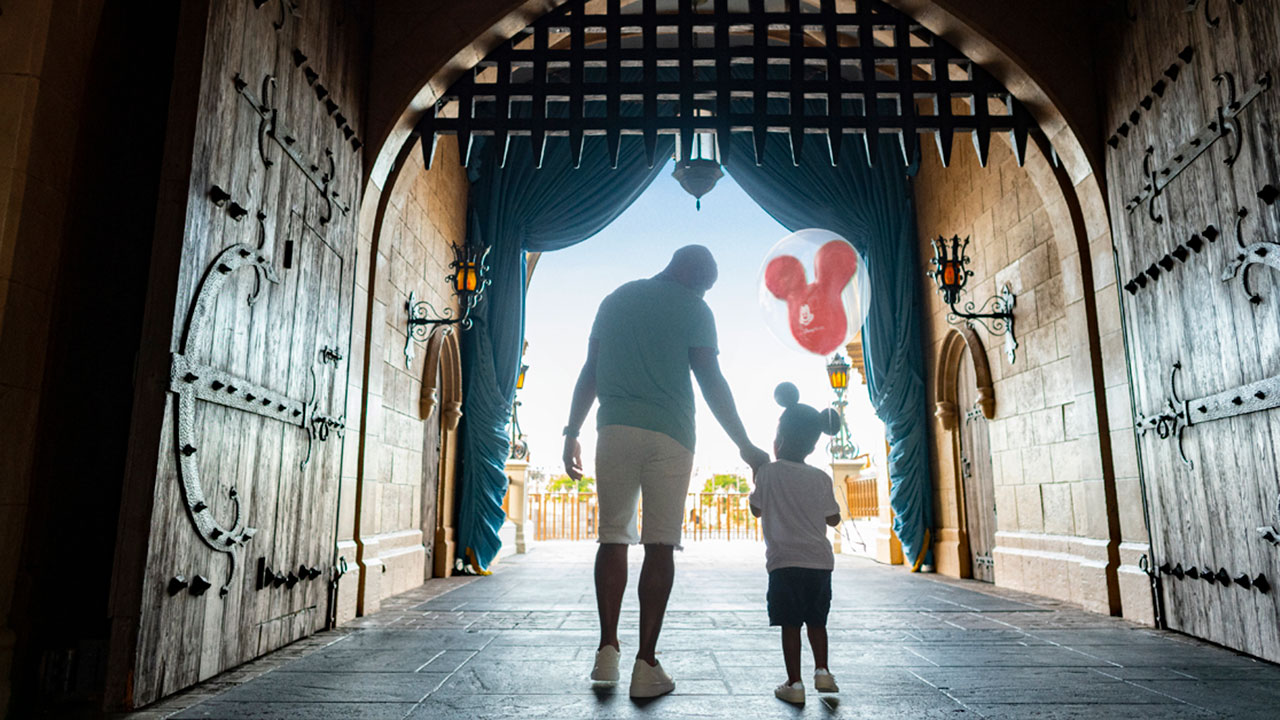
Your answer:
<point x="815" y="310"/>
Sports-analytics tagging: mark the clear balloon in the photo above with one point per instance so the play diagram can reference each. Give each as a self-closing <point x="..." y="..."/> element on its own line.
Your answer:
<point x="814" y="291"/>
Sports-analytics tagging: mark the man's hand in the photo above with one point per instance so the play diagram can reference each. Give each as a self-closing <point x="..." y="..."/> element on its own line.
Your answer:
<point x="754" y="457"/>
<point x="573" y="458"/>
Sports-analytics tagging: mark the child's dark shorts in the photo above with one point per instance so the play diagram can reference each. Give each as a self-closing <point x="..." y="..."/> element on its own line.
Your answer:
<point x="799" y="596"/>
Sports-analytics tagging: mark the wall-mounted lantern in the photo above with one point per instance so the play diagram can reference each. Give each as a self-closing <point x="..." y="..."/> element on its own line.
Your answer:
<point x="842" y="446"/>
<point x="469" y="279"/>
<point x="951" y="273"/>
<point x="519" y="448"/>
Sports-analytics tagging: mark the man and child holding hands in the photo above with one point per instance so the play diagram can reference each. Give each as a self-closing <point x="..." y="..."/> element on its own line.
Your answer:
<point x="648" y="336"/>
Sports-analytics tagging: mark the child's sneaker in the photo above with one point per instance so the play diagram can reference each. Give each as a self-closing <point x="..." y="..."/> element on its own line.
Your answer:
<point x="650" y="680"/>
<point x="824" y="681"/>
<point x="606" y="667"/>
<point x="792" y="693"/>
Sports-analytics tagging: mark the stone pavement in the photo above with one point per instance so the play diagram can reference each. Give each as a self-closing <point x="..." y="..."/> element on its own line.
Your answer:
<point x="519" y="644"/>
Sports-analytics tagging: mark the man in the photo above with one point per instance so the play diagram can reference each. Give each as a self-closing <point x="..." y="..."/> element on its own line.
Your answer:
<point x="648" y="335"/>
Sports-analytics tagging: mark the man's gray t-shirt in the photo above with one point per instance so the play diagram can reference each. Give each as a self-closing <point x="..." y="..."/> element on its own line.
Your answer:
<point x="644" y="331"/>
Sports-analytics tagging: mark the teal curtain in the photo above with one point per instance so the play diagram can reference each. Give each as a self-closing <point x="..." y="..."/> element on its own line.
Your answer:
<point x="870" y="206"/>
<point x="512" y="210"/>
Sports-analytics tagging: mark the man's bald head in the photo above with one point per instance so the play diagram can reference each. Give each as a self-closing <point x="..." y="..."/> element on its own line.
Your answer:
<point x="694" y="267"/>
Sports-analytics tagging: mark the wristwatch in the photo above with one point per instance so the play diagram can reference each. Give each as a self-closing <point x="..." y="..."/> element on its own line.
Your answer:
<point x="570" y="432"/>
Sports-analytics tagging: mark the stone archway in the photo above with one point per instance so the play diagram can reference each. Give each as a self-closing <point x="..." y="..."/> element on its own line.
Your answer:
<point x="442" y="392"/>
<point x="953" y="548"/>
<point x="1047" y="74"/>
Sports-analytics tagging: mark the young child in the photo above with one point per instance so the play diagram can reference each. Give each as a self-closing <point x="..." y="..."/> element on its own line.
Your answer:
<point x="796" y="503"/>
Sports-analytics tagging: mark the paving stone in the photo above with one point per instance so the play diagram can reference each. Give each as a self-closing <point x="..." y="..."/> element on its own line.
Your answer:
<point x="346" y="660"/>
<point x="295" y="711"/>
<point x="519" y="644"/>
<point x="336" y="687"/>
<point x="1087" y="711"/>
<point x="387" y="639"/>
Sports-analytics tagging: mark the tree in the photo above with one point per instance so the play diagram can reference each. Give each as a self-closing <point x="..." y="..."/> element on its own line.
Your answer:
<point x="564" y="483"/>
<point x="726" y="482"/>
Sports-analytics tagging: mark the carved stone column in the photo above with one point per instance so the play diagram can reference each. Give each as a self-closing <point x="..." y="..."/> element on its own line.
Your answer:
<point x="517" y="472"/>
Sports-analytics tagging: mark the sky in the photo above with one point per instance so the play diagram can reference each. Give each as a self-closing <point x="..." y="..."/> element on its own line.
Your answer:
<point x="568" y="285"/>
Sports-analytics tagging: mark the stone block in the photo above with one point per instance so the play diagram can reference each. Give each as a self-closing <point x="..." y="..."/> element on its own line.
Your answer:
<point x="1057" y="383"/>
<point x="1008" y="467"/>
<point x="1108" y="303"/>
<point x="1059" y="518"/>
<point x="1104" y="262"/>
<point x="1089" y="503"/>
<point x="1050" y="307"/>
<point x="1090" y="457"/>
<point x="371" y="505"/>
<point x="1072" y="285"/>
<point x="1026" y="314"/>
<point x="1066" y="466"/>
<point x="1030" y="508"/>
<point x="1129" y="503"/>
<point x="1047" y="426"/>
<point x="1119" y="410"/>
<point x="1035" y="266"/>
<point x="1006" y="507"/>
<point x="1114" y="366"/>
<point x="1020" y="238"/>
<point x="1036" y="465"/>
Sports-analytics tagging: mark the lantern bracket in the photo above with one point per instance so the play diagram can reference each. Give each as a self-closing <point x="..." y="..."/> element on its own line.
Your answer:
<point x="423" y="318"/>
<point x="951" y="273"/>
<point x="995" y="315"/>
<point x="469" y="279"/>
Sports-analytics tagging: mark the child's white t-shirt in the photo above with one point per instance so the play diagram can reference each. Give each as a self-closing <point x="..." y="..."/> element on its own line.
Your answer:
<point x="795" y="500"/>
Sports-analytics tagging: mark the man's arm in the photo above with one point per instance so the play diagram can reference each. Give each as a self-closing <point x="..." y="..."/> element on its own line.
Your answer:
<point x="584" y="395"/>
<point x="833" y="520"/>
<point x="715" y="390"/>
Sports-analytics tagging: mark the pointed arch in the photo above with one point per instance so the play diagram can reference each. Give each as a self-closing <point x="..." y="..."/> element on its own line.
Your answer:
<point x="442" y="378"/>
<point x="953" y="346"/>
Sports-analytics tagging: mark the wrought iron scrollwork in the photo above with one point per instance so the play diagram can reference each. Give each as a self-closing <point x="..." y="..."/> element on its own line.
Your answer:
<point x="270" y="127"/>
<point x="995" y="316"/>
<point x="1263" y="252"/>
<point x="1223" y="125"/>
<point x="1170" y="420"/>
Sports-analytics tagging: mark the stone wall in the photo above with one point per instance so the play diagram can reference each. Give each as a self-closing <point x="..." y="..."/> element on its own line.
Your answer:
<point x="411" y="232"/>
<point x="1050" y="465"/>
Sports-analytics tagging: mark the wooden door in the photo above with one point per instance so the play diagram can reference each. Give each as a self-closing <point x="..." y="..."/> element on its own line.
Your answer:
<point x="250" y="309"/>
<point x="1192" y="162"/>
<point x="976" y="474"/>
<point x="431" y="468"/>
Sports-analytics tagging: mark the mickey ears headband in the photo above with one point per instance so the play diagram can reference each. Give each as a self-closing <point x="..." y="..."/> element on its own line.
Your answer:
<point x="788" y="396"/>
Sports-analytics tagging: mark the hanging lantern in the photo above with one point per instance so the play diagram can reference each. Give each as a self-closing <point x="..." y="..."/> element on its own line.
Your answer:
<point x="698" y="173"/>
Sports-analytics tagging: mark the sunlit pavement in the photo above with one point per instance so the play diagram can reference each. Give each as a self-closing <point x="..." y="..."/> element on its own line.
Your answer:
<point x="519" y="644"/>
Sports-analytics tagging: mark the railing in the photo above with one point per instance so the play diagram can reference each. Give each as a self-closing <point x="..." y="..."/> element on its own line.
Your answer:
<point x="862" y="497"/>
<point x="707" y="516"/>
<point x="564" y="515"/>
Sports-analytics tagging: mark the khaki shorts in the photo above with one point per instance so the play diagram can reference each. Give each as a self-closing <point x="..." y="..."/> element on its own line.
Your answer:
<point x="631" y="462"/>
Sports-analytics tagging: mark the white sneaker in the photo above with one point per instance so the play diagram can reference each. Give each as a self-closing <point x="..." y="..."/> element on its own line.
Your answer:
<point x="824" y="681"/>
<point x="793" y="693"/>
<point x="606" y="667"/>
<point x="650" y="680"/>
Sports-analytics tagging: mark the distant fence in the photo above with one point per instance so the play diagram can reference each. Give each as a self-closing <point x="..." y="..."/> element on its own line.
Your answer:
<point x="707" y="516"/>
<point x="862" y="497"/>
